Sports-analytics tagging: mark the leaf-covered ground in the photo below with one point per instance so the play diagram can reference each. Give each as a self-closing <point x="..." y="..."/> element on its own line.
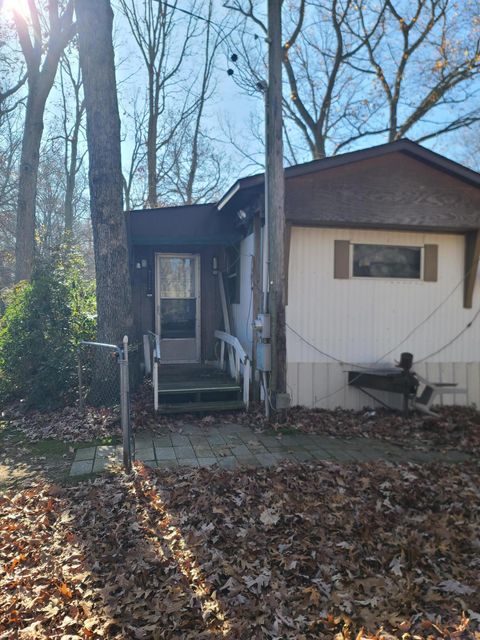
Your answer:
<point x="305" y="551"/>
<point x="457" y="428"/>
<point x="67" y="424"/>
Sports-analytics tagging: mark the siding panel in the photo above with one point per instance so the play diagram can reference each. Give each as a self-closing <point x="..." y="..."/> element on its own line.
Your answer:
<point x="358" y="320"/>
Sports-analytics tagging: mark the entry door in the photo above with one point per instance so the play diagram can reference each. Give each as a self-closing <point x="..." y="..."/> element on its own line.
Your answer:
<point x="178" y="306"/>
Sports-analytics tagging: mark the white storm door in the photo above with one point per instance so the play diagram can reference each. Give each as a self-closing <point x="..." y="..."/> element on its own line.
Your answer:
<point x="177" y="278"/>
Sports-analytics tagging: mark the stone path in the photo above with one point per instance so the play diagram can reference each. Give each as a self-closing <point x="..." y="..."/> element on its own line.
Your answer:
<point x="232" y="446"/>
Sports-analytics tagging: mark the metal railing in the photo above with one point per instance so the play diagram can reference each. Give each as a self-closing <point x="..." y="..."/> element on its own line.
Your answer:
<point x="237" y="359"/>
<point x="155" y="342"/>
<point x="99" y="383"/>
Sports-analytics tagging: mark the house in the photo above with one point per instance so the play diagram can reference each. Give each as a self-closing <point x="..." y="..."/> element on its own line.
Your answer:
<point x="382" y="257"/>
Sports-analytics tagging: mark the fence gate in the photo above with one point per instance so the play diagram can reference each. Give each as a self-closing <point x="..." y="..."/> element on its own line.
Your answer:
<point x="103" y="380"/>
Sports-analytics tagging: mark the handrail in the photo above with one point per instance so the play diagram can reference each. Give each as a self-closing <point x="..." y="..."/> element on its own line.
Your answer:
<point x="102" y="344"/>
<point x="240" y="356"/>
<point x="234" y="342"/>
<point x="157" y="344"/>
<point x="156" y="362"/>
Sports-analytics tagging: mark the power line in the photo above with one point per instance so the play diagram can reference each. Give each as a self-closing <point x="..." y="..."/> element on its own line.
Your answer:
<point x="367" y="368"/>
<point x="190" y="13"/>
<point x="323" y="353"/>
<point x="409" y="334"/>
<point x="197" y="16"/>
<point x="430" y="355"/>
<point x="454" y="339"/>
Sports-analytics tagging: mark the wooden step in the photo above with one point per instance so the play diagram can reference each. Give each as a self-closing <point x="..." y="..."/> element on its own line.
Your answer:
<point x="201" y="407"/>
<point x="196" y="387"/>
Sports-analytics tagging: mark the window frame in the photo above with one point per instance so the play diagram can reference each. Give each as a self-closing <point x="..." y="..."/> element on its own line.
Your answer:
<point x="420" y="277"/>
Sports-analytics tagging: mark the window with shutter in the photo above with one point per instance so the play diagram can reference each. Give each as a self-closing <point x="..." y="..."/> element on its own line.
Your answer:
<point x="385" y="261"/>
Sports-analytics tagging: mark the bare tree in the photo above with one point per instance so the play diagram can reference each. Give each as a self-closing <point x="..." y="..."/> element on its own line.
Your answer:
<point x="134" y="182"/>
<point x="114" y="301"/>
<point x="52" y="192"/>
<point x="12" y="72"/>
<point x="10" y="146"/>
<point x="163" y="41"/>
<point x="42" y="46"/>
<point x="425" y="56"/>
<point x="184" y="165"/>
<point x="73" y="110"/>
<point x="356" y="70"/>
<point x="192" y="169"/>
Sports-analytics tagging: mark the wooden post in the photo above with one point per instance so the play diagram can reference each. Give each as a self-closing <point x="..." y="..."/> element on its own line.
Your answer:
<point x="275" y="201"/>
<point x="472" y="257"/>
<point x="256" y="300"/>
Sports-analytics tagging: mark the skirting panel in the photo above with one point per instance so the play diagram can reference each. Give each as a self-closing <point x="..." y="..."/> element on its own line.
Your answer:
<point x="324" y="385"/>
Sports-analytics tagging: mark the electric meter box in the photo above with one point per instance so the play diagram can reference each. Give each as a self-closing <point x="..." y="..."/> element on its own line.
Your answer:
<point x="264" y="356"/>
<point x="262" y="325"/>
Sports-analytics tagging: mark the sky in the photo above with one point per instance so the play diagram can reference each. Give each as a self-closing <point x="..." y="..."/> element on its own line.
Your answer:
<point x="229" y="106"/>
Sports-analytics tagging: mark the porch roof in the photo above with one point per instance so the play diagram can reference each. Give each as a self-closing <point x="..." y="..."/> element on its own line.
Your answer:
<point x="198" y="224"/>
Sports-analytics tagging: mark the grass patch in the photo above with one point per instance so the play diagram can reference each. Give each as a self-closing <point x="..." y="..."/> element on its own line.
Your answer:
<point x="98" y="442"/>
<point x="23" y="461"/>
<point x="47" y="448"/>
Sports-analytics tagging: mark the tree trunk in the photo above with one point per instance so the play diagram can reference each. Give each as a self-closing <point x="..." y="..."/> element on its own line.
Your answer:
<point x="27" y="184"/>
<point x="95" y="19"/>
<point x="152" y="134"/>
<point x="71" y="180"/>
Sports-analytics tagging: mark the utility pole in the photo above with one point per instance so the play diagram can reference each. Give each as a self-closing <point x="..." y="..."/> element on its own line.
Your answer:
<point x="275" y="207"/>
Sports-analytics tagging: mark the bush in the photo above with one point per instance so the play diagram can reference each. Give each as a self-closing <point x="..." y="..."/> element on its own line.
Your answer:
<point x="39" y="332"/>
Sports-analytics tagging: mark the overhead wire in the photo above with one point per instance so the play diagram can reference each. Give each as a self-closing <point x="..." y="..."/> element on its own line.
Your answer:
<point x="310" y="344"/>
<point x="213" y="23"/>
<point x="410" y="333"/>
<point x="430" y="355"/>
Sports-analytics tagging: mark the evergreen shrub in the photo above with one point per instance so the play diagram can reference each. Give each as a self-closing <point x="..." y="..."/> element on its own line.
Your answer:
<point x="44" y="321"/>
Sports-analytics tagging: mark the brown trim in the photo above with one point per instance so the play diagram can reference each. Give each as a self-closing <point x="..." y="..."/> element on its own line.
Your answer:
<point x="320" y="224"/>
<point x="472" y="256"/>
<point x="341" y="262"/>
<point x="430" y="262"/>
<point x="288" y="238"/>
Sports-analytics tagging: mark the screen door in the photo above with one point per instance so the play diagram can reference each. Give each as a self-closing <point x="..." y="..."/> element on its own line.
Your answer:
<point x="178" y="306"/>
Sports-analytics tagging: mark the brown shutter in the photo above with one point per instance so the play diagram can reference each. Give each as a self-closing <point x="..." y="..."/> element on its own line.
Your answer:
<point x="341" y="264"/>
<point x="430" y="263"/>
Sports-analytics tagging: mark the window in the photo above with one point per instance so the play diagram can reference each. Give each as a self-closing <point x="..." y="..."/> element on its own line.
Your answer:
<point x="386" y="261"/>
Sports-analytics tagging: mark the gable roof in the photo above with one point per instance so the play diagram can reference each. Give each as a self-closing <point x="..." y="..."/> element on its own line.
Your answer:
<point x="404" y="145"/>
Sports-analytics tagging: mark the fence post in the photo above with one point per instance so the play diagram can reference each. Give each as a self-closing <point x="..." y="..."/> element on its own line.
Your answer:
<point x="124" y="407"/>
<point x="80" y="385"/>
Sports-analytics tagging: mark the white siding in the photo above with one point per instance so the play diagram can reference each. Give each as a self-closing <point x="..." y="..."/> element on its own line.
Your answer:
<point x="242" y="313"/>
<point x="359" y="320"/>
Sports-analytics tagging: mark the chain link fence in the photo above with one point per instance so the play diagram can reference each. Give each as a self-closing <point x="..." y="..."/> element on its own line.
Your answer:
<point x="104" y="380"/>
<point x="99" y="381"/>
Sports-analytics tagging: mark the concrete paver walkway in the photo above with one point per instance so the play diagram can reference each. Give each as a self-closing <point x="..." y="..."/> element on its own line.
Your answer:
<point x="232" y="446"/>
